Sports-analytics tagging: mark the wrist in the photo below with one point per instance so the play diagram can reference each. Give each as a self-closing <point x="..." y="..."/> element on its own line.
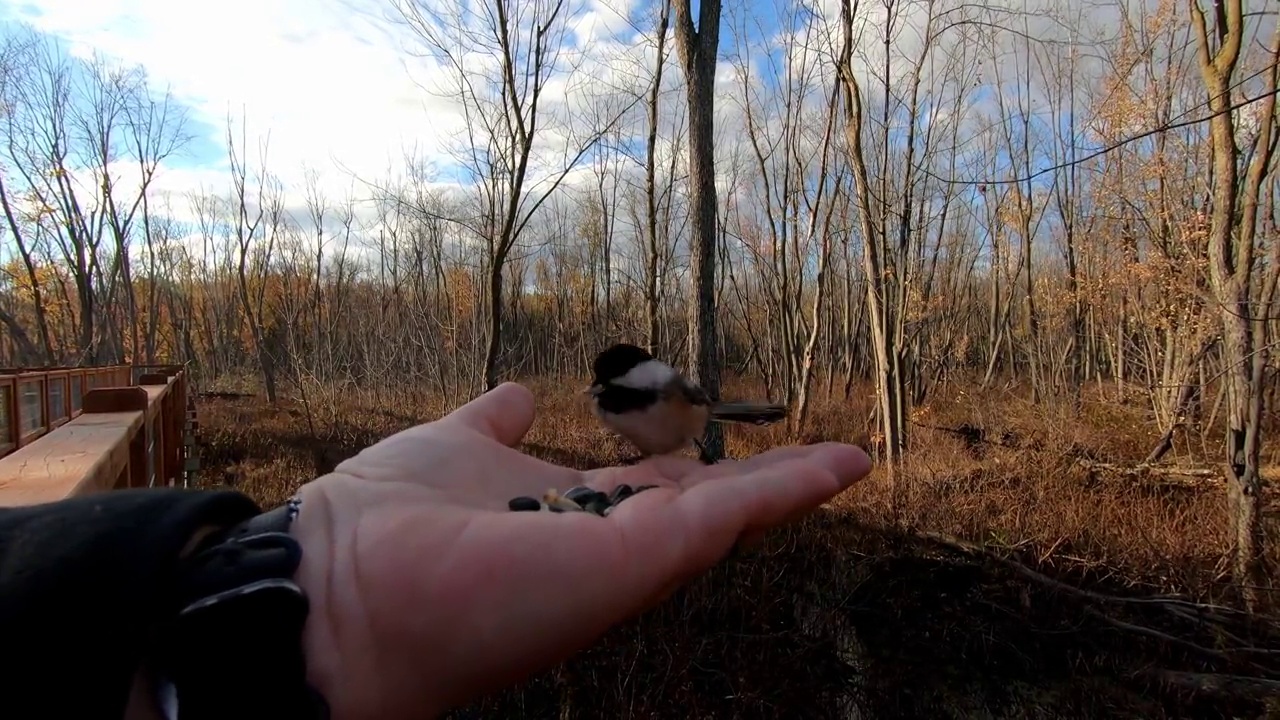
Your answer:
<point x="312" y="529"/>
<point x="351" y="660"/>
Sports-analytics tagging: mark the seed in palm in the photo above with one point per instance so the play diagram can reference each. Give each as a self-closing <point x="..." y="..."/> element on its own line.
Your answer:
<point x="576" y="499"/>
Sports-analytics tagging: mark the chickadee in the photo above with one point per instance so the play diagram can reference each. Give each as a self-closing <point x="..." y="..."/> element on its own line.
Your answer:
<point x="655" y="408"/>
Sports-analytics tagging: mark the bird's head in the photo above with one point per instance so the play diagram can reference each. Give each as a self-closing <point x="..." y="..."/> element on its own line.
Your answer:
<point x="628" y="366"/>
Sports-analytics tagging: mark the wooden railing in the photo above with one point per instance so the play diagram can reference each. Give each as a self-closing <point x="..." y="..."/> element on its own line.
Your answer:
<point x="72" y="431"/>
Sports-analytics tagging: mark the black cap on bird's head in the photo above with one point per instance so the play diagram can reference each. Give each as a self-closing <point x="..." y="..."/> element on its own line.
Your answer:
<point x="614" y="362"/>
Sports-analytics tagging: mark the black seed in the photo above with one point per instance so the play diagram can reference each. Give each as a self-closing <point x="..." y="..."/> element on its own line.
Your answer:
<point x="585" y="496"/>
<point x="522" y="503"/>
<point x="577" y="497"/>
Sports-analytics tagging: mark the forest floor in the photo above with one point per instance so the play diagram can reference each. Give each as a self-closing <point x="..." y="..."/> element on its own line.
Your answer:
<point x="1008" y="576"/>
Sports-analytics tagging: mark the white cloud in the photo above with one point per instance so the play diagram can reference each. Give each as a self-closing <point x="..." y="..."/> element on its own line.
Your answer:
<point x="312" y="75"/>
<point x="329" y="84"/>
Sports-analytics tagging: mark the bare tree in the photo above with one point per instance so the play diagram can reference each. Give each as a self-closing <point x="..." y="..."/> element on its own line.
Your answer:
<point x="1024" y="206"/>
<point x="791" y="132"/>
<point x="885" y="258"/>
<point x="251" y="203"/>
<point x="652" y="201"/>
<point x="43" y="149"/>
<point x="698" y="47"/>
<point x="1232" y="250"/>
<point x="12" y="54"/>
<point x="502" y="57"/>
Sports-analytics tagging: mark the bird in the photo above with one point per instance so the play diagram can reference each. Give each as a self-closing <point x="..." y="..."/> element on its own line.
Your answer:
<point x="657" y="409"/>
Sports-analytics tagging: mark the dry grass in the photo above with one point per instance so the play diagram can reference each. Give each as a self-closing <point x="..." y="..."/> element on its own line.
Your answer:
<point x="851" y="608"/>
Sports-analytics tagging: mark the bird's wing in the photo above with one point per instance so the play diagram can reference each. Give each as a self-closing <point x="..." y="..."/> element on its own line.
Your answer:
<point x="691" y="392"/>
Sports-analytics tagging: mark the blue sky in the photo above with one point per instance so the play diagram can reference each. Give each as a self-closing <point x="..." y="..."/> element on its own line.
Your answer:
<point x="203" y="150"/>
<point x="330" y="86"/>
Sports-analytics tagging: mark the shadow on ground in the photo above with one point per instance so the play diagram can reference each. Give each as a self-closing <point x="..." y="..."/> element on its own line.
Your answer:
<point x="831" y="619"/>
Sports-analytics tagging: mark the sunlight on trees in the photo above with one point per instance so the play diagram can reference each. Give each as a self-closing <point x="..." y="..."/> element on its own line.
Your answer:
<point x="911" y="196"/>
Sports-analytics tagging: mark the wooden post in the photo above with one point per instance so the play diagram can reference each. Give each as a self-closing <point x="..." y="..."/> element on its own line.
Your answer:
<point x="177" y="407"/>
<point x="115" y="399"/>
<point x="44" y="404"/>
<point x="157" y="455"/>
<point x="125" y="399"/>
<point x="137" y="477"/>
<point x="10" y="442"/>
<point x="169" y="425"/>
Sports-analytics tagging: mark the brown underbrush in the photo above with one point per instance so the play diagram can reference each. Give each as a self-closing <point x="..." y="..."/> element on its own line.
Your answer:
<point x="1008" y="571"/>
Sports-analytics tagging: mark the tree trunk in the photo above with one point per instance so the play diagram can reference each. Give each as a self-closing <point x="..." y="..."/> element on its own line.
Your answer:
<point x="697" y="48"/>
<point x="889" y="385"/>
<point x="651" y="303"/>
<point x="494" y="344"/>
<point x="1231" y="250"/>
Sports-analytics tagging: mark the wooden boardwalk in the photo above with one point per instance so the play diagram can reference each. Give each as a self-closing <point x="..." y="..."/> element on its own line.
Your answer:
<point x="72" y="431"/>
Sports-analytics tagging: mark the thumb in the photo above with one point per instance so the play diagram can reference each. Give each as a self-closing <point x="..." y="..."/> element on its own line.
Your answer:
<point x="505" y="414"/>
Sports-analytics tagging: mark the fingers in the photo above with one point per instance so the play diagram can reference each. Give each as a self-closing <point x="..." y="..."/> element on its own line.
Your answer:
<point x="775" y="494"/>
<point x="847" y="463"/>
<point x="505" y="413"/>
<point x="852" y="464"/>
<point x="762" y="460"/>
<point x="682" y="534"/>
<point x="766" y="498"/>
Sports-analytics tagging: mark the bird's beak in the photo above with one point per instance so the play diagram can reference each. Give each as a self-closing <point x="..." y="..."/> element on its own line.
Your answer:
<point x="593" y="389"/>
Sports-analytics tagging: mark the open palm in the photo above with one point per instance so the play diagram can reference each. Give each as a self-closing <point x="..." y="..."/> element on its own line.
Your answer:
<point x="427" y="591"/>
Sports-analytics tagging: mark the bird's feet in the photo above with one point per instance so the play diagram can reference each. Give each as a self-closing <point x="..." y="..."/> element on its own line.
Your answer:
<point x="703" y="455"/>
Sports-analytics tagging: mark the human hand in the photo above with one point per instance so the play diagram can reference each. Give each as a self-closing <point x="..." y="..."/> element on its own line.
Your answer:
<point x="426" y="591"/>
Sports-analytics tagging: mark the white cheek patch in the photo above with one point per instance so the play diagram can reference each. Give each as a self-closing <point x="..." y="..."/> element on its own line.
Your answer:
<point x="648" y="375"/>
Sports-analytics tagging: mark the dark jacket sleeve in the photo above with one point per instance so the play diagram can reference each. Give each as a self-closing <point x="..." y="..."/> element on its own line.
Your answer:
<point x="82" y="582"/>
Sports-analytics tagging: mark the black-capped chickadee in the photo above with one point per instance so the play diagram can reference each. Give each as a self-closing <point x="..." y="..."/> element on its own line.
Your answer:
<point x="654" y="407"/>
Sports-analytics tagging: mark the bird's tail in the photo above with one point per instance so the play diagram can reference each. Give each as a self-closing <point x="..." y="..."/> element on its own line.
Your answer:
<point x="754" y="413"/>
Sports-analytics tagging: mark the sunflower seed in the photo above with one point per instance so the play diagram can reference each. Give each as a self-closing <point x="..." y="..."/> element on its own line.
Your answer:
<point x="554" y="500"/>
